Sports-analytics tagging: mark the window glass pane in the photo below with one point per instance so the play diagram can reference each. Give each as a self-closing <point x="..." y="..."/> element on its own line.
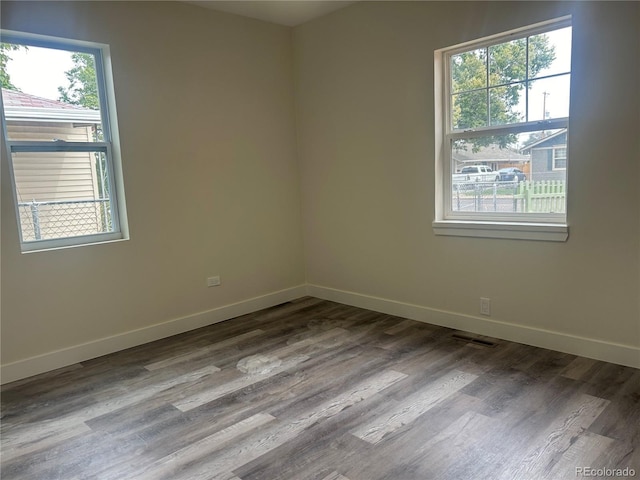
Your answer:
<point x="509" y="173"/>
<point x="62" y="194"/>
<point x="528" y="80"/>
<point x="469" y="110"/>
<point x="504" y="104"/>
<point x="469" y="70"/>
<point x="508" y="62"/>
<point x="549" y="95"/>
<point x="550" y="53"/>
<point x="51" y="94"/>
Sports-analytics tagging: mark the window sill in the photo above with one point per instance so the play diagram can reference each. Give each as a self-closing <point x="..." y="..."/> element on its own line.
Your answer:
<point x="72" y="242"/>
<point x="548" y="232"/>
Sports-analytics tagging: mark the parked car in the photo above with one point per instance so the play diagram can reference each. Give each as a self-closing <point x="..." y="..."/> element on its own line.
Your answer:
<point x="475" y="173"/>
<point x="511" y="175"/>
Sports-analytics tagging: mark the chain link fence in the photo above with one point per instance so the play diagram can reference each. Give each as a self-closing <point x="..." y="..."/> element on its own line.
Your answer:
<point x="547" y="196"/>
<point x="61" y="219"/>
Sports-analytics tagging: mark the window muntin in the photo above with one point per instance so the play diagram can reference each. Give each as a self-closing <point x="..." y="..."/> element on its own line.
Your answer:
<point x="500" y="95"/>
<point x="61" y="150"/>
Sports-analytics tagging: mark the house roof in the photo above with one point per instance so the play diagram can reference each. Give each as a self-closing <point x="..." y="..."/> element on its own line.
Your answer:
<point x="14" y="98"/>
<point x="20" y="106"/>
<point x="556" y="137"/>
<point x="491" y="153"/>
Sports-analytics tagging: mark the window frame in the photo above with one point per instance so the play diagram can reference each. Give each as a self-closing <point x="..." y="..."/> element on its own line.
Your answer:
<point x="552" y="227"/>
<point x="109" y="145"/>
<point x="556" y="157"/>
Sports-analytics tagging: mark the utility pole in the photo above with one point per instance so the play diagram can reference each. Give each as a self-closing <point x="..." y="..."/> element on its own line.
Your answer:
<point x="545" y="114"/>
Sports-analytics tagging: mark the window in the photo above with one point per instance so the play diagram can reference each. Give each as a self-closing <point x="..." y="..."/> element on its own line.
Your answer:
<point x="58" y="115"/>
<point x="560" y="158"/>
<point x="502" y="102"/>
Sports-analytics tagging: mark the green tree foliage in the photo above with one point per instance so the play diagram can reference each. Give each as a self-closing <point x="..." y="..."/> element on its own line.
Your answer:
<point x="487" y="84"/>
<point x="5" y="79"/>
<point x="83" y="88"/>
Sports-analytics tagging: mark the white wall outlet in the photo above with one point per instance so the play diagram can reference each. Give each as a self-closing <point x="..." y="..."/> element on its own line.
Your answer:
<point x="213" y="281"/>
<point x="485" y="306"/>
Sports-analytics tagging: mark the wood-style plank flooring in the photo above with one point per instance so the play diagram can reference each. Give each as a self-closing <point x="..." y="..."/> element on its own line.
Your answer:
<point x="315" y="390"/>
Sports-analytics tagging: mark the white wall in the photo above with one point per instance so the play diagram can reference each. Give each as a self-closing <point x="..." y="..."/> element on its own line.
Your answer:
<point x="365" y="103"/>
<point x="206" y="120"/>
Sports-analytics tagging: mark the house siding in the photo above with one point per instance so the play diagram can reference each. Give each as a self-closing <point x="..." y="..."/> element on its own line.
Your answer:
<point x="542" y="159"/>
<point x="59" y="176"/>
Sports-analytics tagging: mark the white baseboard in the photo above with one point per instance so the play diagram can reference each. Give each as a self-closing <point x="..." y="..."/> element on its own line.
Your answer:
<point x="79" y="353"/>
<point x="586" y="347"/>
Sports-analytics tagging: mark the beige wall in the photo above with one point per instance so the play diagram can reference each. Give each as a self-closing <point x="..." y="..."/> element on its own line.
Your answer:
<point x="206" y="124"/>
<point x="364" y="99"/>
<point x="213" y="179"/>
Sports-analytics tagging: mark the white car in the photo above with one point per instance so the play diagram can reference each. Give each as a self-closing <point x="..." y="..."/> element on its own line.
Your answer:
<point x="476" y="173"/>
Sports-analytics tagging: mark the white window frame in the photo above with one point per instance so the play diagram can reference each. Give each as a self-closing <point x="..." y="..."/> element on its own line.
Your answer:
<point x="556" y="157"/>
<point x="109" y="146"/>
<point x="551" y="227"/>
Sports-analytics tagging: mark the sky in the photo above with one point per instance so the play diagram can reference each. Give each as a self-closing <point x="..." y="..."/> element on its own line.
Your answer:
<point x="557" y="89"/>
<point x="39" y="71"/>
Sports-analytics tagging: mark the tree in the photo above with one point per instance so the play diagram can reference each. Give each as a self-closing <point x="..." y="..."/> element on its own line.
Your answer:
<point x="5" y="79"/>
<point x="83" y="88"/>
<point x="504" y="66"/>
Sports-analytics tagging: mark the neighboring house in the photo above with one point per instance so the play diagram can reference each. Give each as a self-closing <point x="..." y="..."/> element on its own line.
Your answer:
<point x="57" y="192"/>
<point x="492" y="156"/>
<point x="549" y="157"/>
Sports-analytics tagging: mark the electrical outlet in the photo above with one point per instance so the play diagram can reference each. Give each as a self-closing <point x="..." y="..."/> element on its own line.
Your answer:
<point x="485" y="306"/>
<point x="213" y="281"/>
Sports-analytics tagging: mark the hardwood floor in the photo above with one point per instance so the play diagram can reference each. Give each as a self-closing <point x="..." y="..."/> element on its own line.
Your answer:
<point x="314" y="390"/>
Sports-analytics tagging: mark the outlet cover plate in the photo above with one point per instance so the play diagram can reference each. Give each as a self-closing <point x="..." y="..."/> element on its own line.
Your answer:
<point x="485" y="306"/>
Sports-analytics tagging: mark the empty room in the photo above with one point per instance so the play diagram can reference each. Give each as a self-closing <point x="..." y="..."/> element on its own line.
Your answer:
<point x="312" y="240"/>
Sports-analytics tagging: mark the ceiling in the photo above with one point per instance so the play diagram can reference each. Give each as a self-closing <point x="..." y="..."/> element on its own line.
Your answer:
<point x="283" y="12"/>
